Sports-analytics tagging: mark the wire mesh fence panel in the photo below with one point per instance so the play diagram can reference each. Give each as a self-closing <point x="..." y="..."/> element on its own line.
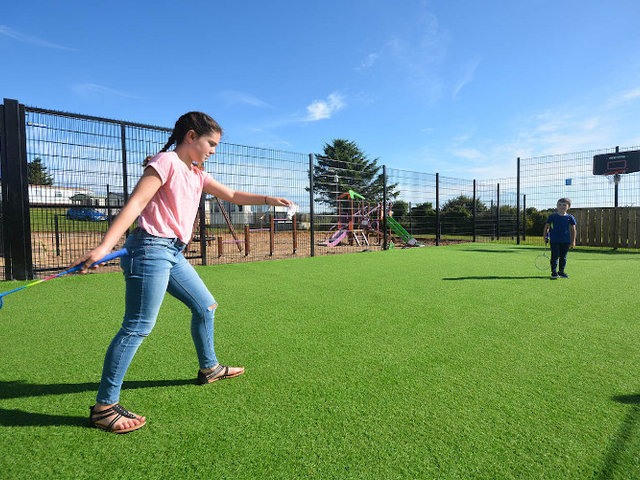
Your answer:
<point x="413" y="205"/>
<point x="507" y="220"/>
<point x="72" y="162"/>
<point x="238" y="233"/>
<point x="486" y="210"/>
<point x="456" y="208"/>
<point x="496" y="207"/>
<point x="348" y="206"/>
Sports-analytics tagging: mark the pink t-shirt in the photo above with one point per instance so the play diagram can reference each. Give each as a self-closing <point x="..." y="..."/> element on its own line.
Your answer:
<point x="173" y="209"/>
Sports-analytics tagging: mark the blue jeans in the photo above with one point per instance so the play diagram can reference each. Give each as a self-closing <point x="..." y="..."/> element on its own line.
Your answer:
<point x="559" y="254"/>
<point x="154" y="266"/>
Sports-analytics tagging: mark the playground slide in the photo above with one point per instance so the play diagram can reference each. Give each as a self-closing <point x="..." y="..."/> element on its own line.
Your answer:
<point x="401" y="232"/>
<point x="335" y="240"/>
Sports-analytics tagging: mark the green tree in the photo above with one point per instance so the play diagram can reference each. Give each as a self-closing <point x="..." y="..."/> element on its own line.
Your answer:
<point x="400" y="209"/>
<point x="459" y="205"/>
<point x="536" y="220"/>
<point x="342" y="167"/>
<point x="37" y="173"/>
<point x="457" y="214"/>
<point x="423" y="219"/>
<point x="423" y="210"/>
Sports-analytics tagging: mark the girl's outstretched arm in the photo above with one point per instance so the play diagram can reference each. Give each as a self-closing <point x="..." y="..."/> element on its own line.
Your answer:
<point x="146" y="188"/>
<point x="213" y="187"/>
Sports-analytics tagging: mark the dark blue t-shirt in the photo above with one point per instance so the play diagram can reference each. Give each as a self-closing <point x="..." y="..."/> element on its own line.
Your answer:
<point x="559" y="231"/>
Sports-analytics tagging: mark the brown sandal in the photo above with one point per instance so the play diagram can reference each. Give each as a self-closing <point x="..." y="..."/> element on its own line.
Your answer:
<point x="218" y="373"/>
<point x="118" y="411"/>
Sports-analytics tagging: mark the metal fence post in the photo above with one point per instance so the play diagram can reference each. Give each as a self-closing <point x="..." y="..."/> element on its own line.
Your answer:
<point x="475" y="210"/>
<point x="311" y="213"/>
<point x="498" y="212"/>
<point x="125" y="187"/>
<point x="385" y="241"/>
<point x="16" y="222"/>
<point x="518" y="204"/>
<point x="616" y="181"/>
<point x="203" y="229"/>
<point x="524" y="217"/>
<point x="437" y="209"/>
<point x="410" y="221"/>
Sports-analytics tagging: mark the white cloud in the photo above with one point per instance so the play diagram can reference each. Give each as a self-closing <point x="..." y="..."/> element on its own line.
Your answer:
<point x="469" y="154"/>
<point x="463" y="137"/>
<point x="625" y="97"/>
<point x="561" y="132"/>
<point x="467" y="76"/>
<point x="632" y="95"/>
<point x="21" y="37"/>
<point x="369" y="61"/>
<point x="323" y="109"/>
<point x="232" y="97"/>
<point x="88" y="89"/>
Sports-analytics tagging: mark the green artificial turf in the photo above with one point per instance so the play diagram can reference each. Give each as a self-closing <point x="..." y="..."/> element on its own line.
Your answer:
<point x="456" y="362"/>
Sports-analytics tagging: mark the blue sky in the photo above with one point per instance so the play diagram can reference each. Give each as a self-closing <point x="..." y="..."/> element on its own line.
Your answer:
<point x="457" y="87"/>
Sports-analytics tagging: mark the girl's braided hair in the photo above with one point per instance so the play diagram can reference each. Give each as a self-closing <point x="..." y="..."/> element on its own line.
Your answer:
<point x="199" y="122"/>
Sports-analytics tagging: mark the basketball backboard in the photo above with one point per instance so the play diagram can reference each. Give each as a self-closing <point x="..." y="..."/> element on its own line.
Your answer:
<point x="618" y="162"/>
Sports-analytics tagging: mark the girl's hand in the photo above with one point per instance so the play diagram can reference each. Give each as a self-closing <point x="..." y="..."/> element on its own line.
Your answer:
<point x="91" y="257"/>
<point x="279" y="202"/>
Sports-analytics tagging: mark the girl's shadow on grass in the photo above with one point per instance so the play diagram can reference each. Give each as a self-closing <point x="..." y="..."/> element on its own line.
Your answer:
<point x="20" y="389"/>
<point x="21" y="418"/>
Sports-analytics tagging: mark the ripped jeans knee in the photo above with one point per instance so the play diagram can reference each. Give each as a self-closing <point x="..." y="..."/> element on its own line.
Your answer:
<point x="202" y="321"/>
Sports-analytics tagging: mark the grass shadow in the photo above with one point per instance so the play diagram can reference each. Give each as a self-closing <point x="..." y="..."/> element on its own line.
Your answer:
<point x="628" y="399"/>
<point x="19" y="389"/>
<point x="620" y="444"/>
<point x="20" y="418"/>
<point x="499" y="278"/>
<point x="487" y="250"/>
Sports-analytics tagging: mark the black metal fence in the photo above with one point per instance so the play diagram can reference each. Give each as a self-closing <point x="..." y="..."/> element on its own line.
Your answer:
<point x="88" y="167"/>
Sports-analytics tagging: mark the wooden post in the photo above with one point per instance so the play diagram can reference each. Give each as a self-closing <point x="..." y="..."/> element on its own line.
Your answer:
<point x="219" y="247"/>
<point x="247" y="248"/>
<point x="228" y="220"/>
<point x="295" y="231"/>
<point x="271" y="235"/>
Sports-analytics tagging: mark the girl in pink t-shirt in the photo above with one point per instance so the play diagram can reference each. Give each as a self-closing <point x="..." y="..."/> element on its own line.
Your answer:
<point x="165" y="202"/>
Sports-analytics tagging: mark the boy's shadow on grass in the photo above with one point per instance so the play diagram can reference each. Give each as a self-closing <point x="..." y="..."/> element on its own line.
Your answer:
<point x="495" y="277"/>
<point x="21" y="418"/>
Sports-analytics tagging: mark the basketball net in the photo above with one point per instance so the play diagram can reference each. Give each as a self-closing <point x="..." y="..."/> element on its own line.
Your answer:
<point x="614" y="178"/>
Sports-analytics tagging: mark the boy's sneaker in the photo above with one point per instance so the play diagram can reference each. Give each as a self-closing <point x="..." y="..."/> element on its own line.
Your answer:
<point x="554" y="274"/>
<point x="563" y="275"/>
